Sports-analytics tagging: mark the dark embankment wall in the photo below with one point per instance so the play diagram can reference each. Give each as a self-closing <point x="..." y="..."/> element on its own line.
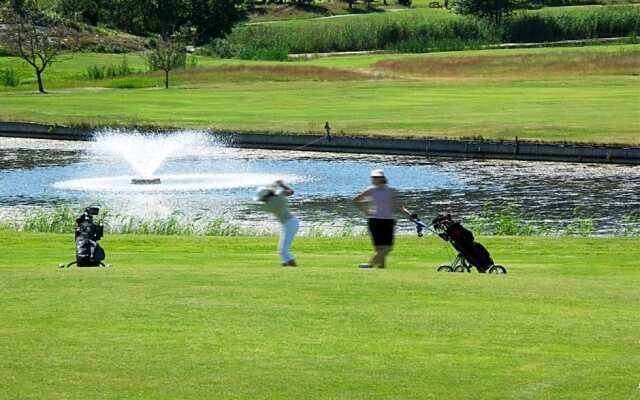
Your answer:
<point x="513" y="150"/>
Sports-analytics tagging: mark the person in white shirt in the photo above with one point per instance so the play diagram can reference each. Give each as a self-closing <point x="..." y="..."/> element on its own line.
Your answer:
<point x="381" y="222"/>
<point x="274" y="200"/>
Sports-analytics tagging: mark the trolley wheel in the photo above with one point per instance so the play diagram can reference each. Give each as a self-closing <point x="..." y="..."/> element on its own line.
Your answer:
<point x="461" y="268"/>
<point x="445" y="268"/>
<point x="497" y="269"/>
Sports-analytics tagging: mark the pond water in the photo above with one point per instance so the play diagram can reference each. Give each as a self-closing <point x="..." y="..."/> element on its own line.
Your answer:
<point x="208" y="180"/>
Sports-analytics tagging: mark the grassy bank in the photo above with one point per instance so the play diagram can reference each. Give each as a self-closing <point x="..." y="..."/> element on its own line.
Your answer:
<point x="189" y="318"/>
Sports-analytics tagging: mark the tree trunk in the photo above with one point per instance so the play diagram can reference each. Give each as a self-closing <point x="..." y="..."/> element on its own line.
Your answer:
<point x="166" y="79"/>
<point x="40" y="84"/>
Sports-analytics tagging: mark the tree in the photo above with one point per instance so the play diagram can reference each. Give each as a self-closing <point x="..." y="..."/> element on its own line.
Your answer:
<point x="213" y="19"/>
<point x="495" y="11"/>
<point x="167" y="54"/>
<point x="204" y="19"/>
<point x="31" y="36"/>
<point x="89" y="11"/>
<point x="133" y="16"/>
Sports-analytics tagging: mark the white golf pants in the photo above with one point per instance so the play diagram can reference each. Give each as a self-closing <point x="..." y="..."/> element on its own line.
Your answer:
<point x="289" y="230"/>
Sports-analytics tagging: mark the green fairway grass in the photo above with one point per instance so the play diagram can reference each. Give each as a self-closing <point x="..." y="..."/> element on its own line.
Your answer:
<point x="71" y="67"/>
<point x="214" y="317"/>
<point x="585" y="94"/>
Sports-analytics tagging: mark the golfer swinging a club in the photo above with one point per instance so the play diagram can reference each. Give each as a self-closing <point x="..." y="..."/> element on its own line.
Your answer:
<point x="274" y="199"/>
<point x="384" y="202"/>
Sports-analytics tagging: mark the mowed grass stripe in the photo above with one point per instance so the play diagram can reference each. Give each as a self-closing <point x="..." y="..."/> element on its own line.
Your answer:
<point x="520" y="65"/>
<point x="194" y="317"/>
<point x="589" y="110"/>
<point x="472" y="65"/>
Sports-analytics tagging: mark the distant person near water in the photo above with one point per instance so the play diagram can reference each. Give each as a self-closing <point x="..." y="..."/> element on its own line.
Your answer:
<point x="274" y="200"/>
<point x="380" y="202"/>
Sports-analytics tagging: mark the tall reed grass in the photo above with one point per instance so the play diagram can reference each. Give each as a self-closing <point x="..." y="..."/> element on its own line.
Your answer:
<point x="9" y="77"/>
<point x="590" y="23"/>
<point x="506" y="221"/>
<point x="422" y="32"/>
<point x="62" y="220"/>
<point x="419" y="33"/>
<point x="97" y="72"/>
<point x="509" y="222"/>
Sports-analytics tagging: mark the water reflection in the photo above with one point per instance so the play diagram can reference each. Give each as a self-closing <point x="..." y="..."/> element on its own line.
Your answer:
<point x="31" y="170"/>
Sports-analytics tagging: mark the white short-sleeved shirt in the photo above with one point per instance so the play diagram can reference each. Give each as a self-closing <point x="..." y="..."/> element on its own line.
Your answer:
<point x="385" y="201"/>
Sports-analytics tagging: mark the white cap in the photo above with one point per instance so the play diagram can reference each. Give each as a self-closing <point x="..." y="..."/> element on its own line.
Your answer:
<point x="377" y="173"/>
<point x="261" y="193"/>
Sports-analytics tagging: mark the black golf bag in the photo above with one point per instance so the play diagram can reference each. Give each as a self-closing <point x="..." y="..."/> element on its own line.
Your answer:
<point x="463" y="241"/>
<point x="88" y="251"/>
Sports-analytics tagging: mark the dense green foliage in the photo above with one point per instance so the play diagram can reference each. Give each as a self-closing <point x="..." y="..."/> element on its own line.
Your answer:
<point x="579" y="24"/>
<point x="494" y="11"/>
<point x="427" y="30"/>
<point x="207" y="18"/>
<point x="198" y="318"/>
<point x="417" y="33"/>
<point x="417" y="30"/>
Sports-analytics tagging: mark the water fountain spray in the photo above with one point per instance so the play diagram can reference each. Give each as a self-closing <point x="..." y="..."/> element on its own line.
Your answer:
<point x="145" y="153"/>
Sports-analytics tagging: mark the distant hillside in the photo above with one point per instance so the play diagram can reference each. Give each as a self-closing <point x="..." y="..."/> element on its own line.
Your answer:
<point x="99" y="40"/>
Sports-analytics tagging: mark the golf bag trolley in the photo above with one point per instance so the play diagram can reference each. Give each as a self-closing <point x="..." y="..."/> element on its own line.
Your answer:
<point x="87" y="234"/>
<point x="470" y="253"/>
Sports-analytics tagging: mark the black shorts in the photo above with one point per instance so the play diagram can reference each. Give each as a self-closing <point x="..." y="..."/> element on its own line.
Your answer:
<point x="381" y="231"/>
